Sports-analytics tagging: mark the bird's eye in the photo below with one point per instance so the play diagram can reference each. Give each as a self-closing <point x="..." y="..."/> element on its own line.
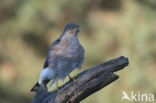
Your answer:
<point x="72" y="27"/>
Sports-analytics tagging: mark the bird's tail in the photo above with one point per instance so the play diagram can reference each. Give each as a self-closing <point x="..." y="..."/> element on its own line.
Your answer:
<point x="35" y="87"/>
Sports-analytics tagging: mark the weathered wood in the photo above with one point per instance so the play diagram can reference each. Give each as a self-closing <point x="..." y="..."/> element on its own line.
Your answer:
<point x="87" y="82"/>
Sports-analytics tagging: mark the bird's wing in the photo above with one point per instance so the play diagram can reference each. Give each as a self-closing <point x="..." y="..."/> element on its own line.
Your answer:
<point x="81" y="57"/>
<point x="56" y="42"/>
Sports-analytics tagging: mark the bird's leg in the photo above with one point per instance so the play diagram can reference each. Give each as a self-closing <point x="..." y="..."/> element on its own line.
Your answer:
<point x="71" y="78"/>
<point x="57" y="87"/>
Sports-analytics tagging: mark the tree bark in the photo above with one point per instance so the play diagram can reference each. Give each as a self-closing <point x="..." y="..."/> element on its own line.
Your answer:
<point x="87" y="83"/>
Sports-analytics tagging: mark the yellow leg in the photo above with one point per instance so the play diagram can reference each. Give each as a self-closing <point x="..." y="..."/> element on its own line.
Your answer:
<point x="57" y="87"/>
<point x="71" y="78"/>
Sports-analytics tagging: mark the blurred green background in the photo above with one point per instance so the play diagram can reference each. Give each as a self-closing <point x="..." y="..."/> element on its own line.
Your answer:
<point x="109" y="29"/>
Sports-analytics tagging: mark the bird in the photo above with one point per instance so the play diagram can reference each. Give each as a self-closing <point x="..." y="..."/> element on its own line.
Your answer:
<point x="65" y="55"/>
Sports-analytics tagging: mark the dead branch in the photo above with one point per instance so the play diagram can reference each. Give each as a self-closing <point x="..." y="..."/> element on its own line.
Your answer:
<point x="87" y="83"/>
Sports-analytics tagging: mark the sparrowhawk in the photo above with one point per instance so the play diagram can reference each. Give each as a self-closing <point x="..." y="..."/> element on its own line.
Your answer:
<point x="65" y="54"/>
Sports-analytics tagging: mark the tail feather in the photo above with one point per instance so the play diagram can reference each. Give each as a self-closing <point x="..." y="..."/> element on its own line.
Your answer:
<point x="35" y="87"/>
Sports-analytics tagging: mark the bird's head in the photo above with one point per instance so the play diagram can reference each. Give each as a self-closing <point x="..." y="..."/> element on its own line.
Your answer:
<point x="71" y="29"/>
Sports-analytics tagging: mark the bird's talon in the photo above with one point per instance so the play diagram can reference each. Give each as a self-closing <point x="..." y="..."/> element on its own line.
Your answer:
<point x="58" y="90"/>
<point x="71" y="78"/>
<point x="70" y="101"/>
<point x="74" y="80"/>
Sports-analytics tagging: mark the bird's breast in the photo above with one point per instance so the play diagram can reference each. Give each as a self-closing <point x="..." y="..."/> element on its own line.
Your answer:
<point x="67" y="54"/>
<point x="69" y="47"/>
